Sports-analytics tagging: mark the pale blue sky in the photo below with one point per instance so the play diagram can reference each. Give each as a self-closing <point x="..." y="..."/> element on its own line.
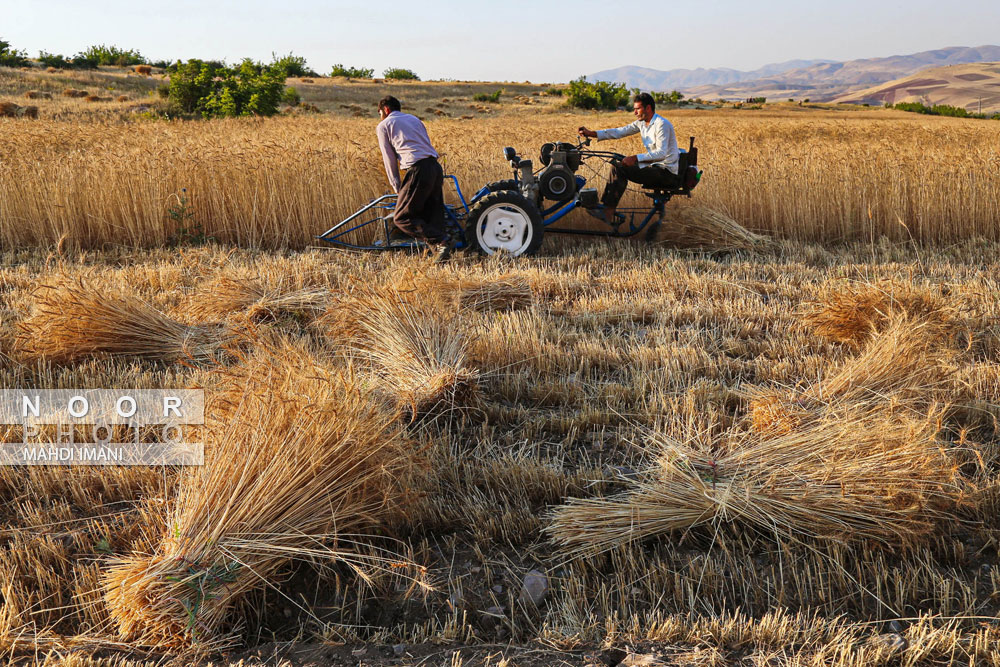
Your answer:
<point x="507" y="40"/>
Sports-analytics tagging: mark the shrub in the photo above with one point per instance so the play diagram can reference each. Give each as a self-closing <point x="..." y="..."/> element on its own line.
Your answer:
<point x="82" y="61"/>
<point x="12" y="57"/>
<point x="948" y="110"/>
<point x="161" y="64"/>
<point x="52" y="60"/>
<point x="249" y="90"/>
<point x="180" y="64"/>
<point x="937" y="110"/>
<point x="112" y="55"/>
<point x="756" y="100"/>
<point x="913" y="107"/>
<point x="554" y="91"/>
<point x="400" y="74"/>
<point x="60" y="62"/>
<point x="488" y="97"/>
<point x="291" y="96"/>
<point x="673" y="98"/>
<point x="352" y="72"/>
<point x="599" y="95"/>
<point x="292" y="65"/>
<point x="191" y="82"/>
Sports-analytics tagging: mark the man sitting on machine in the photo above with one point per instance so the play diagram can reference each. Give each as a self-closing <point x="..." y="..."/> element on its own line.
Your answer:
<point x="657" y="167"/>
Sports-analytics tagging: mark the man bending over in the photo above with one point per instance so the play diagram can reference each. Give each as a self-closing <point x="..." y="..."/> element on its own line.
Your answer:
<point x="657" y="167"/>
<point x="420" y="202"/>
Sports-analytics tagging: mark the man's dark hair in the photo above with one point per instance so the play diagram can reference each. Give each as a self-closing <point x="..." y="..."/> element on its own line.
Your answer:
<point x="389" y="102"/>
<point x="646" y="99"/>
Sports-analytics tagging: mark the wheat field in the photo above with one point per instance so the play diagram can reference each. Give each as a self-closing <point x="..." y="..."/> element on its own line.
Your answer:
<point x="612" y="453"/>
<point x="800" y="174"/>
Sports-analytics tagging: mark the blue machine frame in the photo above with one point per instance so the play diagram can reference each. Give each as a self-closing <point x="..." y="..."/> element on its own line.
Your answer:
<point x="635" y="219"/>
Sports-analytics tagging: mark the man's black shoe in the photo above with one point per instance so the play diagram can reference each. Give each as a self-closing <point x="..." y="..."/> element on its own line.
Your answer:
<point x="442" y="251"/>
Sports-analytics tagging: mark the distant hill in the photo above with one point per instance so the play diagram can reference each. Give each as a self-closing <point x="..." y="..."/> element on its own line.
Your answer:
<point x="819" y="81"/>
<point x="679" y="79"/>
<point x="957" y="85"/>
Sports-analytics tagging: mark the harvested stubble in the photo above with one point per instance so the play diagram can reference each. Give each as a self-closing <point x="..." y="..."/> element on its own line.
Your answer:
<point x="255" y="302"/>
<point x="701" y="227"/>
<point x="853" y="475"/>
<point x="37" y="95"/>
<point x="72" y="321"/>
<point x="73" y="92"/>
<point x="908" y="366"/>
<point x="855" y="313"/>
<point x="300" y="464"/>
<point x="415" y="347"/>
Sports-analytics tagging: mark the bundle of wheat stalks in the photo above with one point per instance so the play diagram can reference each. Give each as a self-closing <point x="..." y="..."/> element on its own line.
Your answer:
<point x="854" y="313"/>
<point x="909" y="366"/>
<point x="11" y="110"/>
<point x="704" y="228"/>
<point x="413" y="343"/>
<point x="72" y="321"/>
<point x="848" y="475"/>
<point x="491" y="294"/>
<point x="853" y="457"/>
<point x="299" y="464"/>
<point x="252" y="301"/>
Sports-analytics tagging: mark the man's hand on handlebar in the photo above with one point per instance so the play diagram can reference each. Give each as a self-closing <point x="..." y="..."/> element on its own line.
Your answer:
<point x="584" y="132"/>
<point x="631" y="161"/>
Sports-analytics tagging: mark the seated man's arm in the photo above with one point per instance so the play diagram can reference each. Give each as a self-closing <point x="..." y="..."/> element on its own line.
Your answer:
<point x="389" y="157"/>
<point x="618" y="132"/>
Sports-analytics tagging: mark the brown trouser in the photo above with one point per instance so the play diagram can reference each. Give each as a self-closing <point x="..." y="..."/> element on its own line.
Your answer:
<point x="420" y="202"/>
<point x="621" y="175"/>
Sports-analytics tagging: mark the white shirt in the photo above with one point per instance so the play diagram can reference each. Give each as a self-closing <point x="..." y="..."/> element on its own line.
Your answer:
<point x="657" y="136"/>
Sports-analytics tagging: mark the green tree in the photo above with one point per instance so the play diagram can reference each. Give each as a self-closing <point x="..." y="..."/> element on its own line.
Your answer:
<point x="401" y="74"/>
<point x="673" y="98"/>
<point x="249" y="90"/>
<point x="599" y="95"/>
<point x="292" y="65"/>
<point x="353" y="72"/>
<point x="112" y="55"/>
<point x="12" y="57"/>
<point x="191" y="82"/>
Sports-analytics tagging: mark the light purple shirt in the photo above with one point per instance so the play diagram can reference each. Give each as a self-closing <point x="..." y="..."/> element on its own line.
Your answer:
<point x="404" y="141"/>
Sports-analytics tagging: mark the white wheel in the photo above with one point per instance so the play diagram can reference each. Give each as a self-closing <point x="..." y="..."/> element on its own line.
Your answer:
<point x="504" y="222"/>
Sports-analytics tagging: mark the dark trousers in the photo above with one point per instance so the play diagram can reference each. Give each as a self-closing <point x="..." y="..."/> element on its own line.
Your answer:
<point x="420" y="202"/>
<point x="621" y="176"/>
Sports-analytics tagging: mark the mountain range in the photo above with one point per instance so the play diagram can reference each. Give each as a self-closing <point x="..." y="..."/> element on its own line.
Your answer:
<point x="679" y="79"/>
<point x="972" y="86"/>
<point x="820" y="80"/>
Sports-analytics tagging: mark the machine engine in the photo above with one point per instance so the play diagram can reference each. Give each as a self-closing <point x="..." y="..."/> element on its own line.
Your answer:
<point x="557" y="181"/>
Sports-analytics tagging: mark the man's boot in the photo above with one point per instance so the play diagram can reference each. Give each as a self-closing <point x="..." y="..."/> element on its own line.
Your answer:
<point x="443" y="249"/>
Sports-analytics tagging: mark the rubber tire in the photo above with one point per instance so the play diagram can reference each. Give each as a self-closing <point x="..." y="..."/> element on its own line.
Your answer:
<point x="501" y="186"/>
<point x="513" y="199"/>
<point x="510" y="185"/>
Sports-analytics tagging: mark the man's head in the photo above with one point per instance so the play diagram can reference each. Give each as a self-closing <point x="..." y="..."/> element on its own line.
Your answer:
<point x="387" y="105"/>
<point x="644" y="106"/>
